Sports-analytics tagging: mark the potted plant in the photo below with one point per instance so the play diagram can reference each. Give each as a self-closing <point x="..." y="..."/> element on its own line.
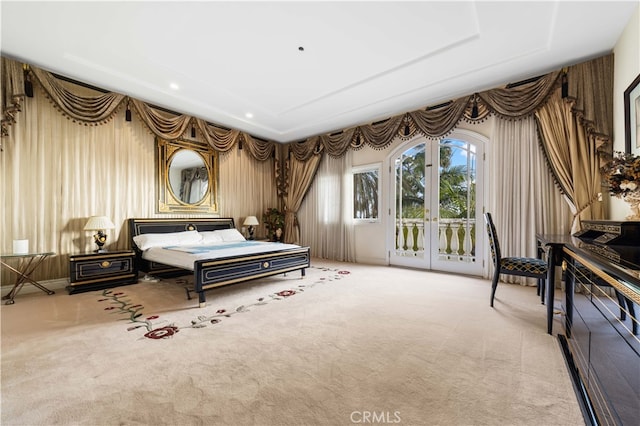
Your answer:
<point x="273" y="220"/>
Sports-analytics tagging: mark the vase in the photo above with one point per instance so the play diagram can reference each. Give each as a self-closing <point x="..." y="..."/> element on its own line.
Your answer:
<point x="633" y="199"/>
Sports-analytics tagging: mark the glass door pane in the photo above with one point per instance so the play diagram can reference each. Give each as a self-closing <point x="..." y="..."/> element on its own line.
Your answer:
<point x="409" y="244"/>
<point x="453" y="231"/>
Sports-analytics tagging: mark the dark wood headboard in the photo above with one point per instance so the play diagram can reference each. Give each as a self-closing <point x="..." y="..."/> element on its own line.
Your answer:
<point x="161" y="226"/>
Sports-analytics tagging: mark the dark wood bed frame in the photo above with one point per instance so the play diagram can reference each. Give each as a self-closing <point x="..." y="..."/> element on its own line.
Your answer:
<point x="212" y="273"/>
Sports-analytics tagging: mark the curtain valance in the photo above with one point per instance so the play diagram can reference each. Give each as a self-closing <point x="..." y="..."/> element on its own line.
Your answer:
<point x="12" y="93"/>
<point x="100" y="108"/>
<point x="516" y="102"/>
<point x="83" y="109"/>
<point x="589" y="85"/>
<point x="161" y="124"/>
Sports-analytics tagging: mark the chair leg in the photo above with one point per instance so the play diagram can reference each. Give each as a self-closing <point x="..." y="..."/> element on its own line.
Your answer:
<point x="542" y="288"/>
<point x="494" y="285"/>
<point x="621" y="302"/>
<point x="634" y="319"/>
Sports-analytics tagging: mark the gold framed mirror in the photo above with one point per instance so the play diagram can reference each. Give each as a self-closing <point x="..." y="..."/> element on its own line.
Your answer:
<point x="187" y="177"/>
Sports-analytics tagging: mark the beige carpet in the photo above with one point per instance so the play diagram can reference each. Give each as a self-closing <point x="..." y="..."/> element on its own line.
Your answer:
<point x="374" y="345"/>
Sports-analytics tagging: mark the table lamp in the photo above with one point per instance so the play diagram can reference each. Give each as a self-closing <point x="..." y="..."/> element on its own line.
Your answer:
<point x="251" y="221"/>
<point x="99" y="224"/>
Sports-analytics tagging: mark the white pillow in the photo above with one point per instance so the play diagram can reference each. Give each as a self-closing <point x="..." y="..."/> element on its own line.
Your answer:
<point x="209" y="237"/>
<point x="229" y="235"/>
<point x="146" y="241"/>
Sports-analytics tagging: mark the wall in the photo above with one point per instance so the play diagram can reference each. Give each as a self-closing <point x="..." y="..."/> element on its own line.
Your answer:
<point x="626" y="69"/>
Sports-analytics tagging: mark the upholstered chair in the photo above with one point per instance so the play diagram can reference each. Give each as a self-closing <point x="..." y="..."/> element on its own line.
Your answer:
<point x="522" y="266"/>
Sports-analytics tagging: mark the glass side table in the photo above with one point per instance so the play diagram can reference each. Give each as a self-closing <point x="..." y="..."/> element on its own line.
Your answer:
<point x="27" y="264"/>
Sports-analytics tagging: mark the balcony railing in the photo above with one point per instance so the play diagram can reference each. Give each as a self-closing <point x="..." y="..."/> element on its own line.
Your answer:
<point x="456" y="239"/>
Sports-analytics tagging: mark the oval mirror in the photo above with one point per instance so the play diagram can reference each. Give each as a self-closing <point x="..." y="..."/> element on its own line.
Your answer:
<point x="188" y="176"/>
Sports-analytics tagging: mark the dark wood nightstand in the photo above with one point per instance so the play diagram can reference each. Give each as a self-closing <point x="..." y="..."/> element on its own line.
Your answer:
<point x="96" y="271"/>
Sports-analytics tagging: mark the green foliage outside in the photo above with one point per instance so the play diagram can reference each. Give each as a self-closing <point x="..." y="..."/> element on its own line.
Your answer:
<point x="457" y="186"/>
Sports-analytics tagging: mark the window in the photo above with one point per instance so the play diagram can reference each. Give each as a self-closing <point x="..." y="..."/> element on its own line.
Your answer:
<point x="366" y="192"/>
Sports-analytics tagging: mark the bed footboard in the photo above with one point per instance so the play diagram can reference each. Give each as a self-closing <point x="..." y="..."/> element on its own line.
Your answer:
<point x="210" y="274"/>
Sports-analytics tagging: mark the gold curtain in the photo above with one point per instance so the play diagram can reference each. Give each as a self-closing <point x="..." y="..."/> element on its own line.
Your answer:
<point x="56" y="173"/>
<point x="576" y="135"/>
<point x="301" y="174"/>
<point x="247" y="187"/>
<point x="572" y="156"/>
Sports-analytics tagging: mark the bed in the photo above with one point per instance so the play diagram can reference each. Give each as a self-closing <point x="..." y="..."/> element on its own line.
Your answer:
<point x="179" y="251"/>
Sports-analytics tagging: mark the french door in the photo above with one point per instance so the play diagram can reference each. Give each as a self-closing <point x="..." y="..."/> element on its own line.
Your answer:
<point x="436" y="214"/>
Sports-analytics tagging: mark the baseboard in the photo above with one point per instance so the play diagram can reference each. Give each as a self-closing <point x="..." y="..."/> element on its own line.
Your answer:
<point x="56" y="285"/>
<point x="372" y="261"/>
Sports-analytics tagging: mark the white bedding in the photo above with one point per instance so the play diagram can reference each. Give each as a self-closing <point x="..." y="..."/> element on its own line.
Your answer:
<point x="183" y="256"/>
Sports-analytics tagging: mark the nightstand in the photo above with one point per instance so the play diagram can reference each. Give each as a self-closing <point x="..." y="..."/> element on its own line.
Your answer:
<point x="96" y="271"/>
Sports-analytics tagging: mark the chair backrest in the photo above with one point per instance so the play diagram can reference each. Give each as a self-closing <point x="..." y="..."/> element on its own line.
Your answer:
<point x="493" y="240"/>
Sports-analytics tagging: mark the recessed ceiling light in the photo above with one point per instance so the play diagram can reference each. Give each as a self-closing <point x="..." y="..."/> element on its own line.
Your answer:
<point x="249" y="115"/>
<point x="174" y="86"/>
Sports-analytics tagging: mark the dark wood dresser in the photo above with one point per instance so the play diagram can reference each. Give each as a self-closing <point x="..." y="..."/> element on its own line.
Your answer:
<point x="601" y="304"/>
<point x="96" y="271"/>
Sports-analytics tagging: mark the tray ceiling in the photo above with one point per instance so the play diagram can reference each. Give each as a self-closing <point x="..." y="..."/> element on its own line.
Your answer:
<point x="285" y="71"/>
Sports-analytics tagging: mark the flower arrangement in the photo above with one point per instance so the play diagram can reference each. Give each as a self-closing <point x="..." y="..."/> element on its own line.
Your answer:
<point x="623" y="175"/>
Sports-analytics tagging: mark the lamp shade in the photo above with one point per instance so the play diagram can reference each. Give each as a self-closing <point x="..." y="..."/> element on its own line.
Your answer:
<point x="251" y="220"/>
<point x="98" y="223"/>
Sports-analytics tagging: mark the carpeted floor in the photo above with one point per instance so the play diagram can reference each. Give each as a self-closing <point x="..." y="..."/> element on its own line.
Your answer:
<point x="348" y="344"/>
